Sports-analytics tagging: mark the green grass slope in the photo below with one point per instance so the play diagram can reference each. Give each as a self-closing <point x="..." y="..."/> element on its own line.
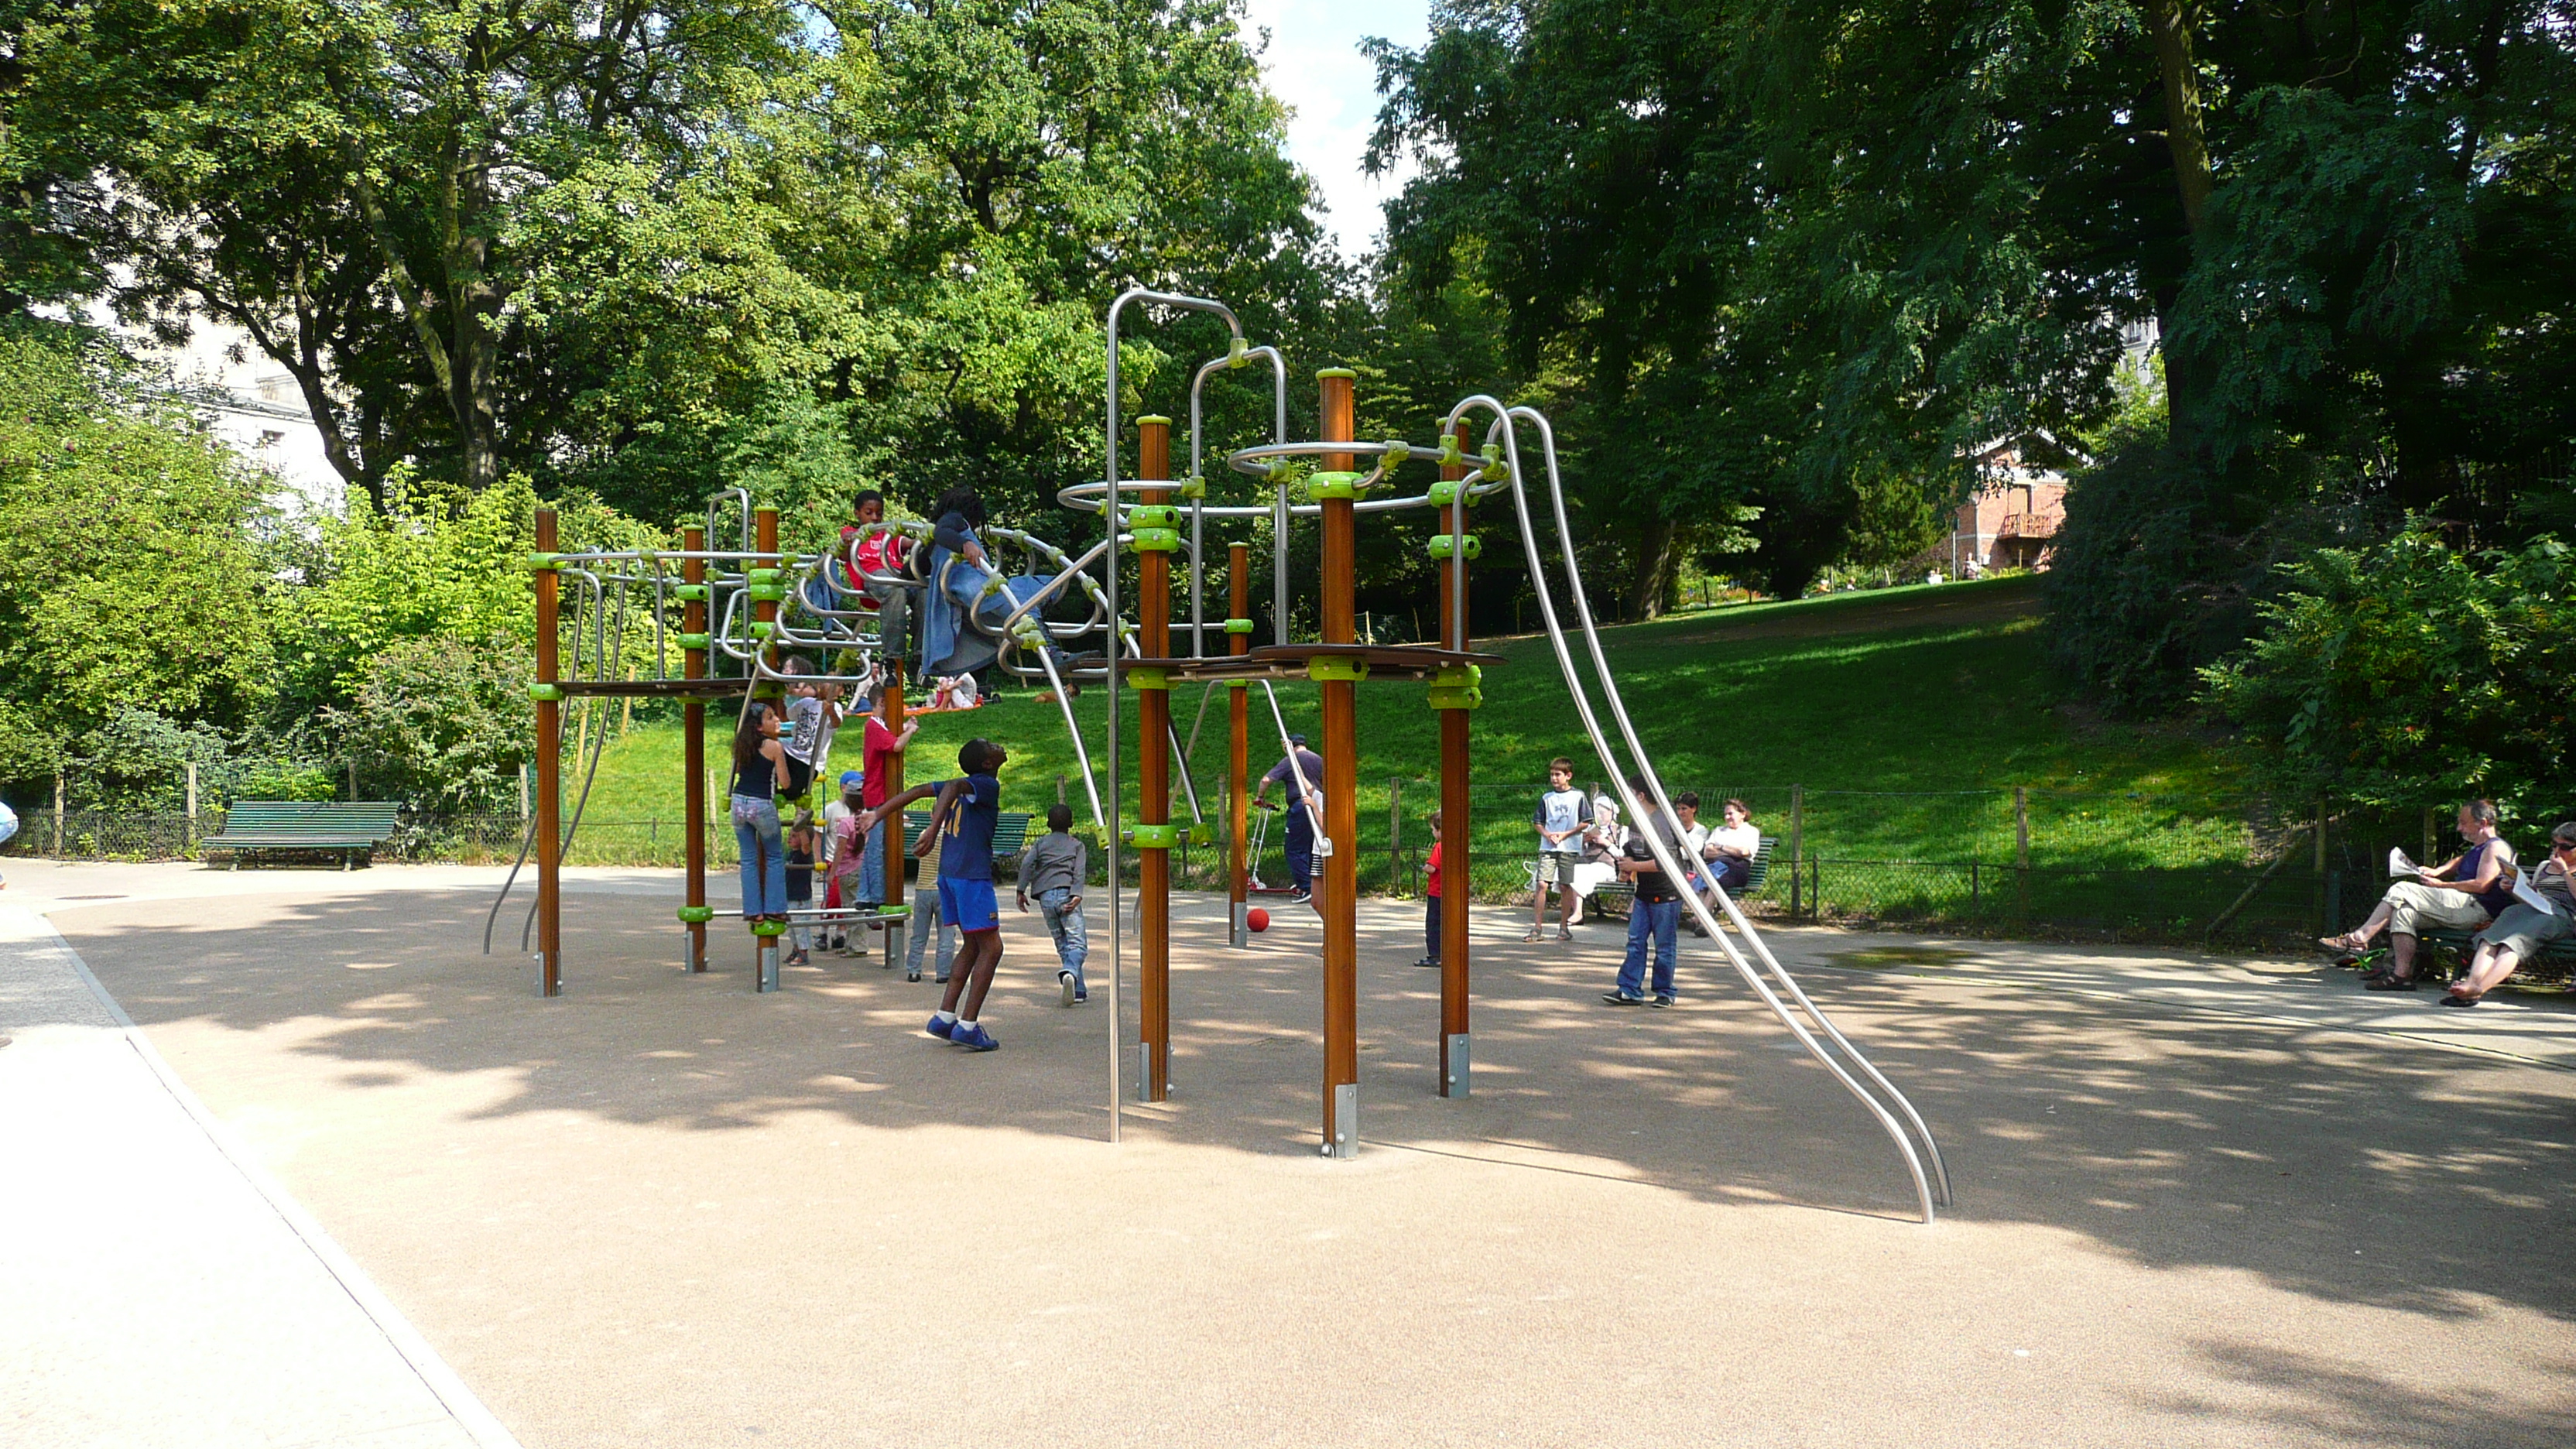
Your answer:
<point x="1906" y="715"/>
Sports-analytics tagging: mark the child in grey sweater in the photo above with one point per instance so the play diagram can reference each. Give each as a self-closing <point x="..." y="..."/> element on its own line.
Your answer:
<point x="1053" y="868"/>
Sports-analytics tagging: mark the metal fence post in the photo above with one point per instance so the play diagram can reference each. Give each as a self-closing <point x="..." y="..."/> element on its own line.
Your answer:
<point x="58" y="812"/>
<point x="189" y="835"/>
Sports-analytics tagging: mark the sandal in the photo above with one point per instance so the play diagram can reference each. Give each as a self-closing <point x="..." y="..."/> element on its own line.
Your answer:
<point x="1563" y="934"/>
<point x="1532" y="937"/>
<point x="2456" y="999"/>
<point x="2343" y="944"/>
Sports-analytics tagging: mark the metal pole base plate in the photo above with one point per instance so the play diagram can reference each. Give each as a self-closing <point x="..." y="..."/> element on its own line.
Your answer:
<point x="1239" y="934"/>
<point x="1345" y="1141"/>
<point x="1456" y="1083"/>
<point x="767" y="965"/>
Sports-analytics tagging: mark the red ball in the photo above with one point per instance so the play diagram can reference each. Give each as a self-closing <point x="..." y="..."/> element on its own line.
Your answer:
<point x="1257" y="918"/>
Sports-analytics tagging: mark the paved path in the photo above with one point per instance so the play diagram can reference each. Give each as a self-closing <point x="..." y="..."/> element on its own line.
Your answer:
<point x="2202" y="1202"/>
<point x="160" y="1289"/>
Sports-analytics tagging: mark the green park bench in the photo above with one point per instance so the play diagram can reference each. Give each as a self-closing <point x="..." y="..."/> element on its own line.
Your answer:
<point x="354" y="828"/>
<point x="1010" y="832"/>
<point x="2555" y="961"/>
<point x="1624" y="895"/>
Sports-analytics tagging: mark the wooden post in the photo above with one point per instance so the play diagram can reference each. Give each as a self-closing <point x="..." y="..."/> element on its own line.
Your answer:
<point x="693" y="736"/>
<point x="192" y="804"/>
<point x="2323" y="923"/>
<point x="1457" y="817"/>
<point x="59" y="794"/>
<point x="1153" y="773"/>
<point x="549" y="773"/>
<point x="1797" y="848"/>
<point x="1395" y="830"/>
<point x="1059" y="787"/>
<point x="893" y="844"/>
<point x="1238" y="746"/>
<point x="1338" y="891"/>
<point x="2021" y="851"/>
<point x="353" y="779"/>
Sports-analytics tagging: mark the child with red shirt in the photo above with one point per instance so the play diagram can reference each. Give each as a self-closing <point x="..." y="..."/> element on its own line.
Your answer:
<point x="880" y="553"/>
<point x="1431" y="891"/>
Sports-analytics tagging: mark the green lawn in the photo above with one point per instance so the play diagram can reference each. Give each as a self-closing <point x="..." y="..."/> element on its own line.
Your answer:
<point x="1907" y="716"/>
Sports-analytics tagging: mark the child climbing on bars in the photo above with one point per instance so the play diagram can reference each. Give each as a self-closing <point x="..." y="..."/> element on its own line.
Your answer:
<point x="800" y="885"/>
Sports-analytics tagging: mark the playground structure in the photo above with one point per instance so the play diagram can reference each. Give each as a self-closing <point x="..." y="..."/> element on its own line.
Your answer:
<point x="744" y="609"/>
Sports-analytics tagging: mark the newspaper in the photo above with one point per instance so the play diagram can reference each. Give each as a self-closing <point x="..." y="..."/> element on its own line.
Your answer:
<point x="2399" y="865"/>
<point x="2523" y="892"/>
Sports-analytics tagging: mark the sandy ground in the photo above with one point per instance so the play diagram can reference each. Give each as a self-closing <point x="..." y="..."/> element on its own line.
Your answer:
<point x="2199" y="1203"/>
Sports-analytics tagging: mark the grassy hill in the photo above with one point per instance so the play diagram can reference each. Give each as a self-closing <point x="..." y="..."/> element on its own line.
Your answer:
<point x="1907" y="716"/>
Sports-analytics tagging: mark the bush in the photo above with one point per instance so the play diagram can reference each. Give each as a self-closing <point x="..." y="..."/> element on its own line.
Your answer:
<point x="2409" y="671"/>
<point x="139" y="760"/>
<point x="443" y="723"/>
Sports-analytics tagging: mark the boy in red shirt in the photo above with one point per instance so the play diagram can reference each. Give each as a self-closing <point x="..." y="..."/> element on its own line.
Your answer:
<point x="880" y="554"/>
<point x="1431" y="890"/>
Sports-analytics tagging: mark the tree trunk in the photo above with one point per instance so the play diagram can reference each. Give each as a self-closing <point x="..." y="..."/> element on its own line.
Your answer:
<point x="1654" y="570"/>
<point x="2187" y="367"/>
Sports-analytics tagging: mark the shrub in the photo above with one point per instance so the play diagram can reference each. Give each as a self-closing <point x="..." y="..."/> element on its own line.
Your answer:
<point x="443" y="723"/>
<point x="2409" y="671"/>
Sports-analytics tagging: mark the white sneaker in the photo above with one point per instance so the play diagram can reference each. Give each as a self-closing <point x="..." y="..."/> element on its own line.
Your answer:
<point x="1064" y="983"/>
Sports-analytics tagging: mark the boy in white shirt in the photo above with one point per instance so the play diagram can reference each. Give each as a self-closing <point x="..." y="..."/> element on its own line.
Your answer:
<point x="1559" y="821"/>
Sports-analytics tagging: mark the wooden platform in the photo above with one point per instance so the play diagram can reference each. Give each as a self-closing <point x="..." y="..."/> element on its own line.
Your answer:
<point x="1288" y="661"/>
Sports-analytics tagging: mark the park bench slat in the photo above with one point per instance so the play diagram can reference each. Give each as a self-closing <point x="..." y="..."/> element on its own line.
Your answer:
<point x="356" y="826"/>
<point x="1622" y="892"/>
<point x="1010" y="831"/>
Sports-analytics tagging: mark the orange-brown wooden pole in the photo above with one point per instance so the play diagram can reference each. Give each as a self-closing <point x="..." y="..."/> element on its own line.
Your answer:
<point x="765" y="612"/>
<point x="1455" y="823"/>
<point x="1238" y="564"/>
<point x="1339" y="896"/>
<point x="693" y="728"/>
<point x="893" y="847"/>
<point x="1153" y="779"/>
<point x="549" y="772"/>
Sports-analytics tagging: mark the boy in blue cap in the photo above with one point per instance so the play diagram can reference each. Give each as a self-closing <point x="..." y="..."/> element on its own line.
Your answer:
<point x="965" y="883"/>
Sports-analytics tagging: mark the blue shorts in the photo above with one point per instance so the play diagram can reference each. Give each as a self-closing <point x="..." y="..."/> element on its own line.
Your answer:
<point x="969" y="905"/>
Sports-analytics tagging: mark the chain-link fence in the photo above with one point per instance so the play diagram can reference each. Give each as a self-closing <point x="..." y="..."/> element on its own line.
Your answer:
<point x="2001" y="861"/>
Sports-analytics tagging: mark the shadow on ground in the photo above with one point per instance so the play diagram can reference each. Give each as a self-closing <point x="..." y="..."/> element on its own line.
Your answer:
<point x="2349" y="1167"/>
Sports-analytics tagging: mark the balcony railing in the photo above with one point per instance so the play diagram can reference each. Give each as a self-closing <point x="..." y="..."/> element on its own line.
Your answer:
<point x="2028" y="525"/>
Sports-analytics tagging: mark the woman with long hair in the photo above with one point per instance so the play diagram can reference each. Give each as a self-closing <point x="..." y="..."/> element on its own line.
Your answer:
<point x="759" y="769"/>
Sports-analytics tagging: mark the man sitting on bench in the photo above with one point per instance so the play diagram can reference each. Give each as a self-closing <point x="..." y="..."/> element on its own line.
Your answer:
<point x="2461" y="894"/>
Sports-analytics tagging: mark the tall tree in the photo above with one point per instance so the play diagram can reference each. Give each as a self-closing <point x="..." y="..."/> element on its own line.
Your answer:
<point x="373" y="222"/>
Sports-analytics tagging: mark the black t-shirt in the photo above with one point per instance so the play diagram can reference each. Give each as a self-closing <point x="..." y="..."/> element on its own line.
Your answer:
<point x="1653" y="886"/>
<point x="800" y="873"/>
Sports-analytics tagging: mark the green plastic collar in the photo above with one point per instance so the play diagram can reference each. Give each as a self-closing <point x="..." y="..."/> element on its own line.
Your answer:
<point x="1457" y="698"/>
<point x="1443" y="543"/>
<point x="757" y="577"/>
<point x="1153" y="837"/>
<point x="1153" y="515"/>
<point x="1238" y="626"/>
<point x="690" y="593"/>
<point x="1320" y="486"/>
<point x="1235" y="348"/>
<point x="694" y="641"/>
<point x="546" y="693"/>
<point x="1397" y="451"/>
<point x="769" y="928"/>
<point x="1444" y="492"/>
<point x="1146" y="676"/>
<point x="1333" y="668"/>
<point x="1153" y="418"/>
<point x="1203" y="833"/>
<point x="1450" y="454"/>
<point x="762" y="628"/>
<point x="1335" y="372"/>
<point x="1193" y="487"/>
<point x="1459" y="676"/>
<point x="697" y="915"/>
<point x="1155" y="540"/>
<point x="545" y="562"/>
<point x="766" y="593"/>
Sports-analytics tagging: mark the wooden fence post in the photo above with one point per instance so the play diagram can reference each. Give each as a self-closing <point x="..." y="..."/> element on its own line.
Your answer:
<point x="1797" y="847"/>
<point x="190" y="834"/>
<point x="58" y="812"/>
<point x="1394" y="833"/>
<point x="2323" y="923"/>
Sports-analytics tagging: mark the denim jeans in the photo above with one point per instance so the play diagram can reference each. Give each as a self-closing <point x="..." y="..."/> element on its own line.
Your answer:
<point x="926" y="923"/>
<point x="764" y="855"/>
<point x="1659" y="920"/>
<point x="1072" y="938"/>
<point x="872" y="867"/>
<point x="1301" y="847"/>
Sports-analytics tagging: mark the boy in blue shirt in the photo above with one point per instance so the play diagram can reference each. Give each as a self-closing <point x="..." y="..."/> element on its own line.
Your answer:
<point x="965" y="883"/>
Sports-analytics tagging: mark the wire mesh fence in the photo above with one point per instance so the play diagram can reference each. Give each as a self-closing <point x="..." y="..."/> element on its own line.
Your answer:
<point x="1994" y="861"/>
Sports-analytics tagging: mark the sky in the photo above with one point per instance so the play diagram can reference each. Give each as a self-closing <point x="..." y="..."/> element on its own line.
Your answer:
<point x="1315" y="66"/>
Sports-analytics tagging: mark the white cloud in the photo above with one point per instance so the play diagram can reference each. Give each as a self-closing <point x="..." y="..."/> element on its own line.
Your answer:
<point x="1314" y="64"/>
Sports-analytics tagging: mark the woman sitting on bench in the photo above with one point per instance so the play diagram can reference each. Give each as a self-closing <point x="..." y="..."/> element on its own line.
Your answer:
<point x="2522" y="930"/>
